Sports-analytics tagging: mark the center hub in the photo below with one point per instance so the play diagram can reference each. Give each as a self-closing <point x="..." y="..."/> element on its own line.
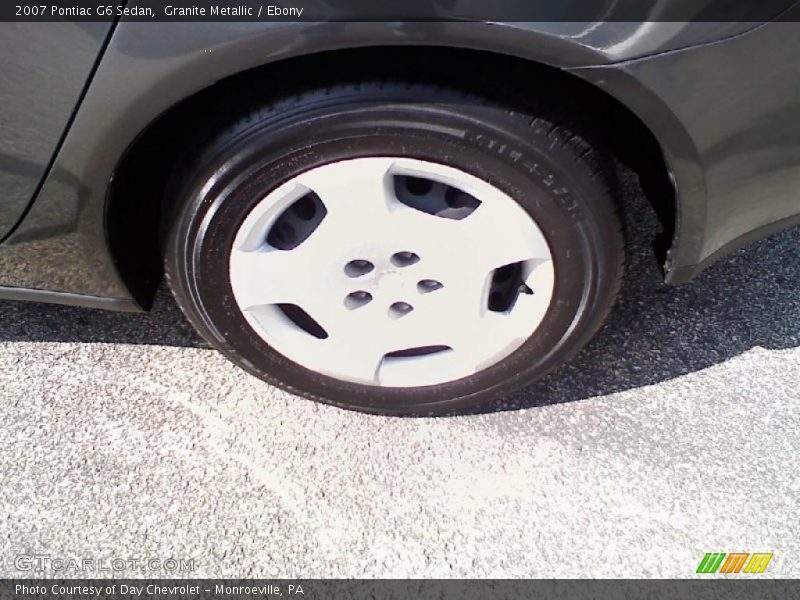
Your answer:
<point x="391" y="282"/>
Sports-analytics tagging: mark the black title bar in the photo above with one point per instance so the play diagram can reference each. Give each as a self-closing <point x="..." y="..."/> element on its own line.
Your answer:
<point x="749" y="11"/>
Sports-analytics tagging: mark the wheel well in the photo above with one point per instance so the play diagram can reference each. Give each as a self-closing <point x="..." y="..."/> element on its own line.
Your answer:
<point x="135" y="206"/>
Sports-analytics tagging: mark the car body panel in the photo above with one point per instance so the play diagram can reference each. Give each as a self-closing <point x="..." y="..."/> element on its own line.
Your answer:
<point x="43" y="69"/>
<point x="737" y="164"/>
<point x="718" y="148"/>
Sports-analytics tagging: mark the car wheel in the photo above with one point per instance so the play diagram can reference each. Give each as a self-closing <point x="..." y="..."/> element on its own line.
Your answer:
<point x="396" y="248"/>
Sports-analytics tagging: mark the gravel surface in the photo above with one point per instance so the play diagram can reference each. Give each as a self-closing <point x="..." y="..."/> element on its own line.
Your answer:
<point x="676" y="433"/>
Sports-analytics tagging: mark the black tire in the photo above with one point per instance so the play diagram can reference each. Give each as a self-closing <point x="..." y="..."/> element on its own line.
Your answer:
<point x="554" y="173"/>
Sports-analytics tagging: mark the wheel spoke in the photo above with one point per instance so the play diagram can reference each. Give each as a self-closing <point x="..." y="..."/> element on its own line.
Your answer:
<point x="497" y="330"/>
<point x="268" y="276"/>
<point x="462" y="353"/>
<point x="485" y="240"/>
<point x="501" y="235"/>
<point x="356" y="361"/>
<point x="427" y="327"/>
<point x="356" y="194"/>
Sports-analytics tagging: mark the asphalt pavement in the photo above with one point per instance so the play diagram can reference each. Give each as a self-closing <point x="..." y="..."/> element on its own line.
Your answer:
<point x="676" y="433"/>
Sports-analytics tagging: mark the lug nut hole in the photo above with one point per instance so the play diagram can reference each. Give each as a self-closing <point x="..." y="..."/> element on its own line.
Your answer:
<point x="400" y="309"/>
<point x="357" y="299"/>
<point x="404" y="259"/>
<point x="428" y="285"/>
<point x="358" y="267"/>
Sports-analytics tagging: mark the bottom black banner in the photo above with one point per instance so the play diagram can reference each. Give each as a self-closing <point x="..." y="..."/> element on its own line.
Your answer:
<point x="389" y="589"/>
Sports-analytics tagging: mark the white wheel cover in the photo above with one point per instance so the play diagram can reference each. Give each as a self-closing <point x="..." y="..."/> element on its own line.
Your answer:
<point x="365" y="221"/>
